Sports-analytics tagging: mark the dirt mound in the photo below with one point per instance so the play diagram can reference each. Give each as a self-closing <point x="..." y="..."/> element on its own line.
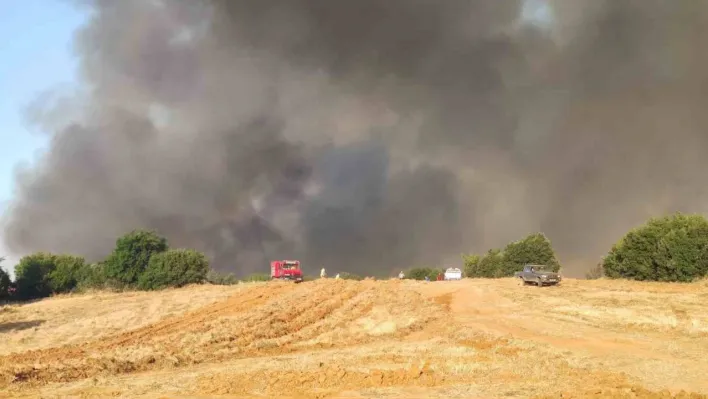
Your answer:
<point x="75" y="319"/>
<point x="275" y="318"/>
<point x="627" y="392"/>
<point x="322" y="382"/>
<point x="342" y="338"/>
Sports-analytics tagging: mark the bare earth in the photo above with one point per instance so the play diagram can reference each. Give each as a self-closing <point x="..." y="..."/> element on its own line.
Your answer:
<point x="368" y="339"/>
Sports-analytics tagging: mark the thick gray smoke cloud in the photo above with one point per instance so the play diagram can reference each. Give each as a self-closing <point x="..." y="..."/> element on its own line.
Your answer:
<point x="370" y="135"/>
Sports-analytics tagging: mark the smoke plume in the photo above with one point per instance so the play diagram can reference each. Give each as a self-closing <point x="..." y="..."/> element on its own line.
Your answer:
<point x="369" y="135"/>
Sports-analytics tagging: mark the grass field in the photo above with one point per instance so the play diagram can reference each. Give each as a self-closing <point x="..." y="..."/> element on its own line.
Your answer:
<point x="367" y="339"/>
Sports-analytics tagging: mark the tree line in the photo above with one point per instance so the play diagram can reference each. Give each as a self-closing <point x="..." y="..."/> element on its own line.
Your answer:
<point x="672" y="248"/>
<point x="140" y="260"/>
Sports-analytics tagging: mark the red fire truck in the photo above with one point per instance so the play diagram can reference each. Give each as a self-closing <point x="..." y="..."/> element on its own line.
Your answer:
<point x="286" y="270"/>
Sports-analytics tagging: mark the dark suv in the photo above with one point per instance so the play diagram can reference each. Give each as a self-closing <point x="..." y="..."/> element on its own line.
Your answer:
<point x="539" y="275"/>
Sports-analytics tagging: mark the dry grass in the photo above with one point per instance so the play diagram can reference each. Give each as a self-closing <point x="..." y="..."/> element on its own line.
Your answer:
<point x="472" y="338"/>
<point x="68" y="319"/>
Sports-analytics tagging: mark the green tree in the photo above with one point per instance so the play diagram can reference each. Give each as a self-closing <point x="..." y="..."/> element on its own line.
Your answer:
<point x="32" y="275"/>
<point x="533" y="249"/>
<point x="471" y="263"/>
<point x="65" y="272"/>
<point x="131" y="256"/>
<point x="174" y="268"/>
<point x="670" y="248"/>
<point x="4" y="281"/>
<point x="490" y="266"/>
<point x="419" y="273"/>
<point x="92" y="276"/>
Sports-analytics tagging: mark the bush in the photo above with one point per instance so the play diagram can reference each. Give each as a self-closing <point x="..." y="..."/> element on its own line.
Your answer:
<point x="490" y="266"/>
<point x="65" y="272"/>
<point x="4" y="282"/>
<point x="256" y="277"/>
<point x="595" y="273"/>
<point x="93" y="276"/>
<point x="349" y="276"/>
<point x="470" y="263"/>
<point x="131" y="256"/>
<point x="534" y="249"/>
<point x="174" y="268"/>
<point x="419" y="273"/>
<point x="217" y="278"/>
<point x="32" y="275"/>
<point x="671" y="248"/>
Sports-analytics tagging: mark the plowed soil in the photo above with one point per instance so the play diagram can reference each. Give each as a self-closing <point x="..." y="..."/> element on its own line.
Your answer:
<point x="367" y="339"/>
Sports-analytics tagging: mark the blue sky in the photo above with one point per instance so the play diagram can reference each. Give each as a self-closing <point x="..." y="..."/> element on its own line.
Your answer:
<point x="35" y="55"/>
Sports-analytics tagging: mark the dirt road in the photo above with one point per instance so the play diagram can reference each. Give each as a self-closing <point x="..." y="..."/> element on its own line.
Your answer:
<point x="469" y="338"/>
<point x="656" y="335"/>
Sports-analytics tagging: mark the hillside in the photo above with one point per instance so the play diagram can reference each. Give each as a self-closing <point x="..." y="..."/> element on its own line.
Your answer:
<point x="367" y="339"/>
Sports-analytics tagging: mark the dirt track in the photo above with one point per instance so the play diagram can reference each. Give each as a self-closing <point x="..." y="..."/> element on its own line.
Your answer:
<point x="472" y="338"/>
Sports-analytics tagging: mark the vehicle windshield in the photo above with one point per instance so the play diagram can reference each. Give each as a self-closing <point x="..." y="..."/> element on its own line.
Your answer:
<point x="289" y="266"/>
<point x="538" y="268"/>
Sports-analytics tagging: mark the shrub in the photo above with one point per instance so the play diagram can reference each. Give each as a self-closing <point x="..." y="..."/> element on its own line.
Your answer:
<point x="349" y="276"/>
<point x="533" y="249"/>
<point x="255" y="277"/>
<point x="174" y="268"/>
<point x="32" y="275"/>
<point x="217" y="278"/>
<point x="671" y="248"/>
<point x="131" y="256"/>
<point x="4" y="281"/>
<point x="419" y="273"/>
<point x="470" y="263"/>
<point x="65" y="272"/>
<point x="490" y="266"/>
<point x="93" y="276"/>
<point x="595" y="273"/>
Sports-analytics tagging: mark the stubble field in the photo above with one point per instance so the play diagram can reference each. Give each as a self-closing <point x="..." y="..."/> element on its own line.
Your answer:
<point x="366" y="339"/>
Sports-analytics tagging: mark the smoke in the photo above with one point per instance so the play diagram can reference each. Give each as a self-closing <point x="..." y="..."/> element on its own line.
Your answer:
<point x="369" y="135"/>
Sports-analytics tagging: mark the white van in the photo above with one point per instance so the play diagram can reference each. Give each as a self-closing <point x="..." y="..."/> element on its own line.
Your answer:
<point x="453" y="273"/>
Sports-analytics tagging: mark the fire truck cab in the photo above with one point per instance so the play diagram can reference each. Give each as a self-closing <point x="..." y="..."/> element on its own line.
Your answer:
<point x="286" y="270"/>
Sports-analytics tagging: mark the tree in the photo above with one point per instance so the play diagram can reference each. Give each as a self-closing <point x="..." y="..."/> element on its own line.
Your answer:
<point x="66" y="272"/>
<point x="32" y="275"/>
<point x="670" y="248"/>
<point x="131" y="256"/>
<point x="4" y="281"/>
<point x="471" y="262"/>
<point x="419" y="273"/>
<point x="533" y="249"/>
<point x="92" y="276"/>
<point x="174" y="268"/>
<point x="490" y="266"/>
